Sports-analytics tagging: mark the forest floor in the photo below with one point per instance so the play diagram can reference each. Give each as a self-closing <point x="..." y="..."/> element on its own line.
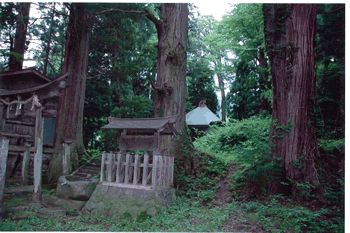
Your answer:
<point x="220" y="214"/>
<point x="235" y="222"/>
<point x="184" y="215"/>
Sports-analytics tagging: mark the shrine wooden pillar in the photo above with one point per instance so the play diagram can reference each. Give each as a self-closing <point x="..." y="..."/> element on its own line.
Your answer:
<point x="38" y="157"/>
<point x="2" y="118"/>
<point x="4" y="148"/>
<point x="25" y="163"/>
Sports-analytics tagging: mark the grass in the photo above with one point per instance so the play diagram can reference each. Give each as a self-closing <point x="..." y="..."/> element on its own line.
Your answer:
<point x="186" y="215"/>
<point x="183" y="215"/>
<point x="288" y="217"/>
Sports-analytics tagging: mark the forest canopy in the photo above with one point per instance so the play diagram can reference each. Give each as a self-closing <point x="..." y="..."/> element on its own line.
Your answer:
<point x="273" y="73"/>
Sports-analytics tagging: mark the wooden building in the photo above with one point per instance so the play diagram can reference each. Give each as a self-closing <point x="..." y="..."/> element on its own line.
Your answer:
<point x="28" y="103"/>
<point x="150" y="169"/>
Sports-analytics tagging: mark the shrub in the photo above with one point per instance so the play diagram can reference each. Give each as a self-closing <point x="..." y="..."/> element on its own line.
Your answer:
<point x="275" y="217"/>
<point x="196" y="173"/>
<point x="246" y="144"/>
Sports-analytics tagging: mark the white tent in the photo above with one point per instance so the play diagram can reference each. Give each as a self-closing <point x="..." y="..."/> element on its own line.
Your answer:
<point x="201" y="116"/>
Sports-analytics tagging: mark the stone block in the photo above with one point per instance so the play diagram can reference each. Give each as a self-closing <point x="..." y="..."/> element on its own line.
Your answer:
<point x="75" y="188"/>
<point x="116" y="201"/>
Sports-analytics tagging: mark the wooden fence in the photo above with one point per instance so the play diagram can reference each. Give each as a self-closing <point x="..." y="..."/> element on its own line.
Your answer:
<point x="143" y="171"/>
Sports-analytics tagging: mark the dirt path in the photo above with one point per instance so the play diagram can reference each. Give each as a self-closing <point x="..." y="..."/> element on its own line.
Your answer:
<point x="236" y="221"/>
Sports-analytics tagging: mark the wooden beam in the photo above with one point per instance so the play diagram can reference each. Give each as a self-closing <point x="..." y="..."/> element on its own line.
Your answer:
<point x="145" y="169"/>
<point x="14" y="135"/>
<point x="119" y="158"/>
<point x="2" y="117"/>
<point x="25" y="163"/>
<point x="4" y="146"/>
<point x="110" y="166"/>
<point x="38" y="157"/>
<point x="171" y="170"/>
<point x="19" y="123"/>
<point x="66" y="157"/>
<point x="136" y="169"/>
<point x="155" y="170"/>
<point x="127" y="162"/>
<point x="103" y="158"/>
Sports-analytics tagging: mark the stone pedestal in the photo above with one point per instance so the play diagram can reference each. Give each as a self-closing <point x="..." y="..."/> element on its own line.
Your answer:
<point x="114" y="201"/>
<point x="74" y="188"/>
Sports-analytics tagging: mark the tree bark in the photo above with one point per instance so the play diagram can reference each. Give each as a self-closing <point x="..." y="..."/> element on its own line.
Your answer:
<point x="223" y="97"/>
<point x="290" y="38"/>
<point x="71" y="101"/>
<point x="169" y="91"/>
<point x="17" y="53"/>
<point x="169" y="95"/>
<point x="48" y="44"/>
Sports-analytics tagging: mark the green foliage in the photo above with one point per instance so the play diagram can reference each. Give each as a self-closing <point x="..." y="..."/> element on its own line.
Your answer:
<point x="196" y="173"/>
<point x="242" y="31"/>
<point x="7" y="31"/>
<point x="134" y="107"/>
<point x="181" y="216"/>
<point x="200" y="80"/>
<point x="330" y="71"/>
<point x="246" y="144"/>
<point x="200" y="85"/>
<point x="332" y="145"/>
<point x="49" y="28"/>
<point x="276" y="217"/>
<point x="122" y="60"/>
<point x="90" y="154"/>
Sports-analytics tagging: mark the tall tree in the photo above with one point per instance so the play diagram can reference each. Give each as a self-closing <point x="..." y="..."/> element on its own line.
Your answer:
<point x="330" y="70"/>
<point x="200" y="85"/>
<point x="7" y="32"/>
<point x="71" y="105"/>
<point x="243" y="33"/>
<point x="290" y="36"/>
<point x="18" y="47"/>
<point x="200" y="77"/>
<point x="170" y="86"/>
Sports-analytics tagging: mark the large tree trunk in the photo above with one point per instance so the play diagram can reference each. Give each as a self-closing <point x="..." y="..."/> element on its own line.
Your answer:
<point x="71" y="102"/>
<point x="17" y="53"/>
<point x="290" y="36"/>
<point x="169" y="95"/>
<point x="170" y="88"/>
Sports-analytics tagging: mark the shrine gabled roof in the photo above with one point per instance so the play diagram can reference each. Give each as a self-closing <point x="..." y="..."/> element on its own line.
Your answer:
<point x="5" y="92"/>
<point x="160" y="123"/>
<point x="201" y="116"/>
<point x="25" y="73"/>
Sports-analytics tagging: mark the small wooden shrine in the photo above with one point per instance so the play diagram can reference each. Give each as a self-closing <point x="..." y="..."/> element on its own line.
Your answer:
<point x="140" y="163"/>
<point x="28" y="109"/>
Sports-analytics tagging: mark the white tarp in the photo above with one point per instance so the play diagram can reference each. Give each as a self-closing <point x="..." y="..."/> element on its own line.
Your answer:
<point x="201" y="116"/>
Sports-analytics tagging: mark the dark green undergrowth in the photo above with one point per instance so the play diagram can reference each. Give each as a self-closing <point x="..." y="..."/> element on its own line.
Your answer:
<point x="246" y="144"/>
<point x="289" y="217"/>
<point x="198" y="170"/>
<point x="181" y="216"/>
<point x="196" y="173"/>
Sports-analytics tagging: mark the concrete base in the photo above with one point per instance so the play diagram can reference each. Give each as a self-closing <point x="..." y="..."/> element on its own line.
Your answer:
<point x="114" y="201"/>
<point x="75" y="188"/>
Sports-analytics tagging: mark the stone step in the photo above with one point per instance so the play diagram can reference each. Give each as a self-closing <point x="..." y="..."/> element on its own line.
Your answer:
<point x="64" y="203"/>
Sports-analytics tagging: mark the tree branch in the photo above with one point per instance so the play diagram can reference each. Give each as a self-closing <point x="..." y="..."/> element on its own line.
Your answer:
<point x="153" y="18"/>
<point x="118" y="10"/>
<point x="149" y="15"/>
